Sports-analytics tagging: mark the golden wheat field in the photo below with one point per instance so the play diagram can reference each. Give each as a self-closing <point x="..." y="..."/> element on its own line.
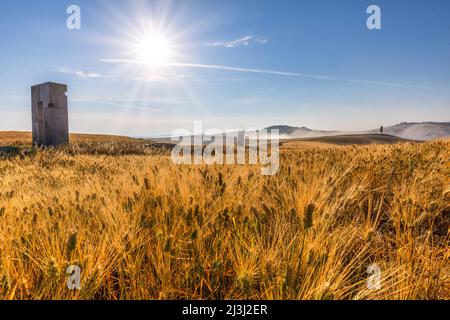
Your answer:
<point x="141" y="227"/>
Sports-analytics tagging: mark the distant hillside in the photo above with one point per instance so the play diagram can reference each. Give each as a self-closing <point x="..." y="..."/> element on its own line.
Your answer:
<point x="419" y="130"/>
<point x="348" y="139"/>
<point x="412" y="131"/>
<point x="288" y="132"/>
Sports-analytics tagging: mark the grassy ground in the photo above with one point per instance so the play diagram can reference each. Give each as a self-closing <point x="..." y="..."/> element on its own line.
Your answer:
<point x="141" y="227"/>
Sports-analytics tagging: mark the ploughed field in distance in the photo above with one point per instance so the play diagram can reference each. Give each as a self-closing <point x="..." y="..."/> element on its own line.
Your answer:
<point x="141" y="227"/>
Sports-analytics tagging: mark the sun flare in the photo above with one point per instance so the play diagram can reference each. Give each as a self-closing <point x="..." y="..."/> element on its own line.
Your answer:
<point x="154" y="49"/>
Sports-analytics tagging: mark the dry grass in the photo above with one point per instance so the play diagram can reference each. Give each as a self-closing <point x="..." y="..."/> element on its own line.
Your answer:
<point x="141" y="227"/>
<point x="23" y="138"/>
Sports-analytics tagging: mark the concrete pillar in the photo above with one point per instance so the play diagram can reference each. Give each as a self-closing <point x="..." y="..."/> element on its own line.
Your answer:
<point x="50" y="115"/>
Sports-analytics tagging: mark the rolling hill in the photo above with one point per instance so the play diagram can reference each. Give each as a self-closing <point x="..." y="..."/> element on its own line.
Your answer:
<point x="406" y="130"/>
<point x="347" y="139"/>
<point x="419" y="130"/>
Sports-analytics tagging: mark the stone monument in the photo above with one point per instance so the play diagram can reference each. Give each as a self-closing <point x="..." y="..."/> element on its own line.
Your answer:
<point x="50" y="114"/>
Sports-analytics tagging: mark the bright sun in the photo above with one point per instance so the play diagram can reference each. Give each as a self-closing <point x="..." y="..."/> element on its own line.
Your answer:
<point x="154" y="49"/>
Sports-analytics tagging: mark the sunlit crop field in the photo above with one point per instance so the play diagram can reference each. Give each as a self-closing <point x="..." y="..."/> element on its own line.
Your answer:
<point x="141" y="227"/>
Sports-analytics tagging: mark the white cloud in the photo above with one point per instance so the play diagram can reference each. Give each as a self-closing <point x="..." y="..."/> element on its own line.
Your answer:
<point x="79" y="73"/>
<point x="119" y="105"/>
<point x="267" y="72"/>
<point x="241" y="42"/>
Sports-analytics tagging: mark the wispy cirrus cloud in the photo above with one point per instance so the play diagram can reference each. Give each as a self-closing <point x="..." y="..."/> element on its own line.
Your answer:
<point x="267" y="72"/>
<point x="78" y="73"/>
<point x="240" y="42"/>
<point x="117" y="104"/>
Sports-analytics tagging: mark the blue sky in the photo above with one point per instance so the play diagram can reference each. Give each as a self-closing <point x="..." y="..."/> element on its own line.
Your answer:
<point x="232" y="64"/>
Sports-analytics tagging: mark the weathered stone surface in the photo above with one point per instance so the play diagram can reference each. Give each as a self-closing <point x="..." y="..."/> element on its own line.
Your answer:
<point x="50" y="114"/>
